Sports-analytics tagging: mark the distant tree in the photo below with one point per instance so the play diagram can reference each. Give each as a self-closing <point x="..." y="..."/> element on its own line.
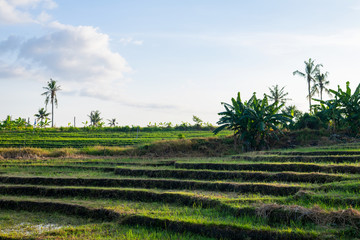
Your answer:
<point x="311" y="70"/>
<point x="42" y="116"/>
<point x="95" y="118"/>
<point x="278" y="95"/>
<point x="20" y="122"/>
<point x="8" y="123"/>
<point x="320" y="85"/>
<point x="198" y="121"/>
<point x="51" y="90"/>
<point x="112" y="122"/>
<point x="293" y="111"/>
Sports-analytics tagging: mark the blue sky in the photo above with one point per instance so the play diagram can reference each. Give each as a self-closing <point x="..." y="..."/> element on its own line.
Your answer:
<point x="144" y="61"/>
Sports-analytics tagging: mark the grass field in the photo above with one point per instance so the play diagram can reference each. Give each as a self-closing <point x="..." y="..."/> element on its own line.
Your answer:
<point x="310" y="193"/>
<point x="84" y="137"/>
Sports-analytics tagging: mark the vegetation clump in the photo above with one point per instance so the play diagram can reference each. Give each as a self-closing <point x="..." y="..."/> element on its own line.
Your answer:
<point x="255" y="122"/>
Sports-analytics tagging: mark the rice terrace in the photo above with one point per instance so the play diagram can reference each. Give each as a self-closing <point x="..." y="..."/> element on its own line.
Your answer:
<point x="309" y="193"/>
<point x="179" y="120"/>
<point x="256" y="178"/>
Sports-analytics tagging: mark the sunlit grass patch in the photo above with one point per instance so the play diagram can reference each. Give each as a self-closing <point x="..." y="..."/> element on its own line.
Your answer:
<point x="23" y="223"/>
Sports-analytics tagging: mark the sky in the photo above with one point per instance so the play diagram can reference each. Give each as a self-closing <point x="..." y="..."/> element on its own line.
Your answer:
<point x="143" y="61"/>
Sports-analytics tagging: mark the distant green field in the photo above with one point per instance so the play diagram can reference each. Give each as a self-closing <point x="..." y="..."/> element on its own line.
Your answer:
<point x="78" y="138"/>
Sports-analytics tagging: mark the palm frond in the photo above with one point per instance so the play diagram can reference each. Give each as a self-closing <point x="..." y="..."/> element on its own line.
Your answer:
<point x="299" y="73"/>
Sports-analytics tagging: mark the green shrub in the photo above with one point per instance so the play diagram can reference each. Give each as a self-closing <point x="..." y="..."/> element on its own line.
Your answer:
<point x="309" y="121"/>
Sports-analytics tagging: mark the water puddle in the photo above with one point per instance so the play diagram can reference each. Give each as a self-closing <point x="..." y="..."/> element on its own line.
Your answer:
<point x="29" y="228"/>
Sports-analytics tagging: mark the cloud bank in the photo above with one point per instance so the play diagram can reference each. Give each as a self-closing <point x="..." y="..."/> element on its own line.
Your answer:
<point x="24" y="11"/>
<point x="78" y="57"/>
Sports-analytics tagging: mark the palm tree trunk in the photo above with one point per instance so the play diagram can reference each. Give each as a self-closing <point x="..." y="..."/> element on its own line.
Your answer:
<point x="321" y="94"/>
<point x="309" y="95"/>
<point x="52" y="113"/>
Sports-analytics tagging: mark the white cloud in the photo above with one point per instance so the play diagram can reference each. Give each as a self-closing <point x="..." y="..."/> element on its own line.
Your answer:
<point x="12" y="71"/>
<point x="22" y="11"/>
<point x="43" y="17"/>
<point x="77" y="54"/>
<point x="79" y="58"/>
<point x="10" y="44"/>
<point x="130" y="40"/>
<point x="112" y="94"/>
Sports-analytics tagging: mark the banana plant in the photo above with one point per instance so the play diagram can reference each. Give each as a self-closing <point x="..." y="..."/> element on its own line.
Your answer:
<point x="349" y="106"/>
<point x="20" y="122"/>
<point x="8" y="123"/>
<point x="254" y="122"/>
<point x="329" y="113"/>
<point x="44" y="123"/>
<point x="232" y="119"/>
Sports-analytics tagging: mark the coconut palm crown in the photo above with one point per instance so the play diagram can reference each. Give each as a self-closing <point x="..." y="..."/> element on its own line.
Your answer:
<point x="95" y="118"/>
<point x="278" y="95"/>
<point x="320" y="85"/>
<point x="311" y="70"/>
<point x="51" y="90"/>
<point x="42" y="114"/>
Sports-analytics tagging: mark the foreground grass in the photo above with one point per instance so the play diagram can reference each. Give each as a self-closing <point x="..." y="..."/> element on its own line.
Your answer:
<point x="197" y="215"/>
<point x="115" y="231"/>
<point x="41" y="225"/>
<point x="22" y="223"/>
<point x="266" y="199"/>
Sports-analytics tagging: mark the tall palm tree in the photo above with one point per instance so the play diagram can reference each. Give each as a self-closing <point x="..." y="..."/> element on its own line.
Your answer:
<point x="51" y="90"/>
<point x="276" y="95"/>
<point x="311" y="70"/>
<point x="320" y="85"/>
<point x="95" y="118"/>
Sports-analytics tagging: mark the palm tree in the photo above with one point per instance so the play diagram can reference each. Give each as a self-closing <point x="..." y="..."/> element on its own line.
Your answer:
<point x="42" y="115"/>
<point x="293" y="111"/>
<point x="320" y="85"/>
<point x="112" y="122"/>
<point x="50" y="94"/>
<point x="311" y="70"/>
<point x="276" y="95"/>
<point x="95" y="118"/>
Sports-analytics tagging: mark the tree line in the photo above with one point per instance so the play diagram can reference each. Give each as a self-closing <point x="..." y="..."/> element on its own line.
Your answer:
<point x="256" y="122"/>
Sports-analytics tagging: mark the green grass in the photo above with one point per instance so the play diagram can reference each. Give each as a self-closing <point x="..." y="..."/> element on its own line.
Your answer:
<point x="196" y="215"/>
<point x="55" y="138"/>
<point x="111" y="231"/>
<point x="23" y="224"/>
<point x="184" y="198"/>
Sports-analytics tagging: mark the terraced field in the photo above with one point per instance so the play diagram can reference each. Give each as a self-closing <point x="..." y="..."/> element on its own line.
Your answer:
<point x="277" y="195"/>
<point x="78" y="138"/>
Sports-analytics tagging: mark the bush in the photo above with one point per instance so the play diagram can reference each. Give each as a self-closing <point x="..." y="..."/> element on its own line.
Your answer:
<point x="309" y="121"/>
<point x="255" y="122"/>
